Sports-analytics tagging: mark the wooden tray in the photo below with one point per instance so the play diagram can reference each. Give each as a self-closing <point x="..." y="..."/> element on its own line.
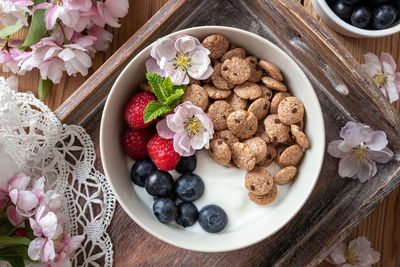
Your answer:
<point x="336" y="205"/>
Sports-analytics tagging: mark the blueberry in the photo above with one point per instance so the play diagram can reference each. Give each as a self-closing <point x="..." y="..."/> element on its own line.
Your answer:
<point x="342" y="10"/>
<point x="171" y="195"/>
<point x="361" y="17"/>
<point x="187" y="214"/>
<point x="351" y="2"/>
<point x="212" y="218"/>
<point x="159" y="183"/>
<point x="383" y="17"/>
<point x="141" y="170"/>
<point x="186" y="164"/>
<point x="189" y="187"/>
<point x="165" y="210"/>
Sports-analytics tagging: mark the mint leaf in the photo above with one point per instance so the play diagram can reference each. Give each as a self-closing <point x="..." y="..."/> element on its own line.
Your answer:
<point x="153" y="110"/>
<point x="8" y="30"/>
<point x="43" y="88"/>
<point x="156" y="82"/>
<point x="168" y="87"/>
<point x="173" y="100"/>
<point x="182" y="87"/>
<point x="37" y="29"/>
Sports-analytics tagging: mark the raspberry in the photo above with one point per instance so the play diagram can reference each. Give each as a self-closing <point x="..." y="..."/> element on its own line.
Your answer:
<point x="162" y="152"/>
<point x="133" y="111"/>
<point x="135" y="142"/>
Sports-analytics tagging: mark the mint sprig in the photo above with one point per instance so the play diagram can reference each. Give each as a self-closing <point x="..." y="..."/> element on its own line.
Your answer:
<point x="167" y="93"/>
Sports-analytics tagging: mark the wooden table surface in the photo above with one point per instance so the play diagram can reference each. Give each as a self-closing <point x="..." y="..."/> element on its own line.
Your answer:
<point x="379" y="227"/>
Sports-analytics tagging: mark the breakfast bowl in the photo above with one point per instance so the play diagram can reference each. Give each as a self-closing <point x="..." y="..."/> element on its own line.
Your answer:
<point x="248" y="223"/>
<point x="334" y="22"/>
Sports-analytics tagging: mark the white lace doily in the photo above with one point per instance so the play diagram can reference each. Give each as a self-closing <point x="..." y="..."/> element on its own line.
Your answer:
<point x="64" y="154"/>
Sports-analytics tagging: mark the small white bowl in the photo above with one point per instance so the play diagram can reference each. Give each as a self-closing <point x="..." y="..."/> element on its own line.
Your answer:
<point x="340" y="26"/>
<point x="277" y="215"/>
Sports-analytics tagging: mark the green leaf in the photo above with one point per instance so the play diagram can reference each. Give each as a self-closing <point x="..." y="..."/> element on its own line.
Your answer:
<point x="180" y="87"/>
<point x="14" y="255"/>
<point x="168" y="87"/>
<point x="173" y="100"/>
<point x="153" y="110"/>
<point x="14" y="240"/>
<point x="8" y="30"/>
<point x="156" y="82"/>
<point x="43" y="88"/>
<point x="37" y="29"/>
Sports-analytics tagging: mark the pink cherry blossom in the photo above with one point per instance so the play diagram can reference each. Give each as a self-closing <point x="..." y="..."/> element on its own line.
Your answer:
<point x="359" y="151"/>
<point x="9" y="62"/>
<point x="66" y="11"/>
<point x="358" y="253"/>
<point x="24" y="200"/>
<point x="190" y="127"/>
<point x="111" y="10"/>
<point x="103" y="37"/>
<point x="12" y="11"/>
<point x="75" y="56"/>
<point x="45" y="224"/>
<point x="383" y="73"/>
<point x="179" y="58"/>
<point x="14" y="217"/>
<point x="44" y="56"/>
<point x="68" y="246"/>
<point x="41" y="249"/>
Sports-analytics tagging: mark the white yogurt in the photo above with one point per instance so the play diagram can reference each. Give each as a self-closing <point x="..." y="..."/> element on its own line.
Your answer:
<point x="223" y="187"/>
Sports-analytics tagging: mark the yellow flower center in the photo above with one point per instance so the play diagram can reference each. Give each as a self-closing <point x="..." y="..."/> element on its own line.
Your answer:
<point x="182" y="62"/>
<point x="359" y="153"/>
<point x="380" y="79"/>
<point x="193" y="126"/>
<point x="350" y="257"/>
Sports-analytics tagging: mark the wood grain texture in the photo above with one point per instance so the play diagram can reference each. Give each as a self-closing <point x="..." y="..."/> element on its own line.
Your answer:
<point x="381" y="227"/>
<point x="375" y="227"/>
<point x="327" y="63"/>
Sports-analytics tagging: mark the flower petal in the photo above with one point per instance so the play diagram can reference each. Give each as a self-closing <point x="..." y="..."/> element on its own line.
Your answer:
<point x="152" y="66"/>
<point x="14" y="217"/>
<point x="163" y="130"/>
<point x="378" y="141"/>
<point x="347" y="167"/>
<point x="382" y="156"/>
<point x="366" y="171"/>
<point x="387" y="58"/>
<point x="19" y="182"/>
<point x="26" y="200"/>
<point x="35" y="248"/>
<point x="49" y="225"/>
<point x="391" y="91"/>
<point x="48" y="253"/>
<point x="334" y="149"/>
<point x="337" y="256"/>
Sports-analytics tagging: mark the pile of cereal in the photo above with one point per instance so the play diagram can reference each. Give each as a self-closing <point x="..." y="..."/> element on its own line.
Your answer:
<point x="256" y="120"/>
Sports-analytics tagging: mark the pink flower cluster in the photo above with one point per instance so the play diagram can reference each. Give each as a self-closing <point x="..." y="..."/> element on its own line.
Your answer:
<point x="74" y="31"/>
<point x="25" y="200"/>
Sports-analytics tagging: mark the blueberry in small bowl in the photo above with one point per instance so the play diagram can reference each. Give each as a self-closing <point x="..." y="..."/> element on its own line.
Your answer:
<point x="189" y="187"/>
<point x="360" y="18"/>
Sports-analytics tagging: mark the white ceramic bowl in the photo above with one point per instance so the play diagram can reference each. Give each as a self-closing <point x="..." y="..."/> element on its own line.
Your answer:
<point x="116" y="169"/>
<point x="340" y="26"/>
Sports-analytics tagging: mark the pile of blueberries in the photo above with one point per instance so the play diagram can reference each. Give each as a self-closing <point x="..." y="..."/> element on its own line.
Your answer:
<point x="188" y="188"/>
<point x="367" y="14"/>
